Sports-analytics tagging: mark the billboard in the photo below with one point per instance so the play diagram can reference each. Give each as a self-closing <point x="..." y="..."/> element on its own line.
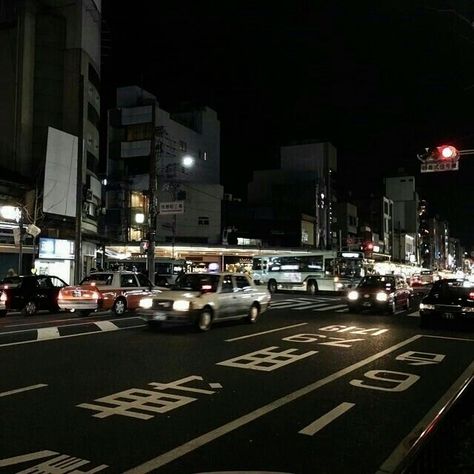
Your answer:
<point x="60" y="177"/>
<point x="56" y="248"/>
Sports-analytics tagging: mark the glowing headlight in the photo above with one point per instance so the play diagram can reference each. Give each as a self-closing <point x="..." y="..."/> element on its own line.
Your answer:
<point x="353" y="295"/>
<point x="181" y="305"/>
<point x="381" y="296"/>
<point x="146" y="303"/>
<point x="427" y="306"/>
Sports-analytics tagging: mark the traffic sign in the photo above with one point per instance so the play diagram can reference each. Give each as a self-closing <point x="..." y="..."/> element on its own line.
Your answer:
<point x="432" y="166"/>
<point x="173" y="207"/>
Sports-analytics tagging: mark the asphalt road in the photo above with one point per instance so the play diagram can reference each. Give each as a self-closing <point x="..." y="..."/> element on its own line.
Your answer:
<point x="309" y="388"/>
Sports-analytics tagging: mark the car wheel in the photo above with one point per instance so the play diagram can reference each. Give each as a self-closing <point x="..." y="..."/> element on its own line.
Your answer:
<point x="254" y="313"/>
<point x="204" y="320"/>
<point x="119" y="307"/>
<point x="3" y="313"/>
<point x="29" y="309"/>
<point x="312" y="287"/>
<point x="272" y="286"/>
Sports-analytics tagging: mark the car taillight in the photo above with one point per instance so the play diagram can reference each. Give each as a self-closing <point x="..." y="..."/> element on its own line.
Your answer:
<point x="95" y="295"/>
<point x="471" y="295"/>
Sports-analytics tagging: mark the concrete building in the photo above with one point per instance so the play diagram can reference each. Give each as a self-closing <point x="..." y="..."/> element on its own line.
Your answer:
<point x="193" y="133"/>
<point x="50" y="63"/>
<point x="345" y="225"/>
<point x="302" y="186"/>
<point x="402" y="191"/>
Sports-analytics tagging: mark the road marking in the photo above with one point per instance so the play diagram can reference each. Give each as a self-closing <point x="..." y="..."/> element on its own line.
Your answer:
<point x="88" y="333"/>
<point x="426" y="424"/>
<point x="24" y="389"/>
<point x="47" y="333"/>
<point x="106" y="325"/>
<point x="324" y="420"/>
<point x="309" y="305"/>
<point x="264" y="332"/>
<point x="450" y="338"/>
<point x="287" y="304"/>
<point x="206" y="438"/>
<point x="345" y="310"/>
<point x="414" y="314"/>
<point x="327" y="308"/>
<point x="26" y="458"/>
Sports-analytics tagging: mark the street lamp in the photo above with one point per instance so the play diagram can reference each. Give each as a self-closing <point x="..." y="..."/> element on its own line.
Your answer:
<point x="188" y="161"/>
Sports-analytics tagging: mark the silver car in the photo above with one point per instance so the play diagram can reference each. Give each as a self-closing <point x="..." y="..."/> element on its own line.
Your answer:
<point x="204" y="298"/>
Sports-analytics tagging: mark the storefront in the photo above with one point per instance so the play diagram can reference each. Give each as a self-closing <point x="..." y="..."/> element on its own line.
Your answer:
<point x="56" y="257"/>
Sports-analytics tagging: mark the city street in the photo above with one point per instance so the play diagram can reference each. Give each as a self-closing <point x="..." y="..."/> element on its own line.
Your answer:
<point x="309" y="388"/>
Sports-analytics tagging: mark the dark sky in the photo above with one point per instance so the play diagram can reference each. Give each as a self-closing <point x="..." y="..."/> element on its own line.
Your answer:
<point x="381" y="80"/>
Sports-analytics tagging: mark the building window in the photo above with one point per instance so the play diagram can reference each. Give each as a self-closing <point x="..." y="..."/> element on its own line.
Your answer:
<point x="202" y="220"/>
<point x="183" y="146"/>
<point x="93" y="116"/>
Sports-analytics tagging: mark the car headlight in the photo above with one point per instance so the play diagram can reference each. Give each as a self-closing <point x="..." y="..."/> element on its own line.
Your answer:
<point x="381" y="296"/>
<point x="181" y="305"/>
<point x="146" y="303"/>
<point x="427" y="306"/>
<point x="353" y="295"/>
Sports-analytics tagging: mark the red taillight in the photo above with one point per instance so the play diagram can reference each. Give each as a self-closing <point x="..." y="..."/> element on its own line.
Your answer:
<point x="95" y="295"/>
<point x="471" y="295"/>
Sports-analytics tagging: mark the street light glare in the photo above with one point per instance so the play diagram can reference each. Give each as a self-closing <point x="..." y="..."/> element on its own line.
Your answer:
<point x="188" y="161"/>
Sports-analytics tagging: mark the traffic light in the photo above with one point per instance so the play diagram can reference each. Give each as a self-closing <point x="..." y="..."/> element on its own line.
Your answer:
<point x="445" y="152"/>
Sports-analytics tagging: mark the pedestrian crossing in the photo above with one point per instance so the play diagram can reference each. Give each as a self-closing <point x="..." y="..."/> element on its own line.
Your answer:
<point x="320" y="304"/>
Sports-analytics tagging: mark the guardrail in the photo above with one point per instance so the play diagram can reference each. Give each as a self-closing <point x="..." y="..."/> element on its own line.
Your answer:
<point x="435" y="449"/>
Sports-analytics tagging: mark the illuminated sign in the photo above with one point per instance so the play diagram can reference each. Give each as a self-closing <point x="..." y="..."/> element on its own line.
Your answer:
<point x="56" y="248"/>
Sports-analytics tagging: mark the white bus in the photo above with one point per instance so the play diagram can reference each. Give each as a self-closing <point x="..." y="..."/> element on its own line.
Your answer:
<point x="324" y="270"/>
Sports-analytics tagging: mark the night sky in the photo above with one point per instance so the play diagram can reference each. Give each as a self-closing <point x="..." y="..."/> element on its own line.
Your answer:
<point x="381" y="80"/>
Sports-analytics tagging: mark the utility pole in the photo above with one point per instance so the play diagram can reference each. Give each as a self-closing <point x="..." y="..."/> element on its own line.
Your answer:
<point x="80" y="151"/>
<point x="152" y="199"/>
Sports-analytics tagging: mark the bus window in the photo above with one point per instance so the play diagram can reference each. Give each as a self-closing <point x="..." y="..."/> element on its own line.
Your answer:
<point x="329" y="266"/>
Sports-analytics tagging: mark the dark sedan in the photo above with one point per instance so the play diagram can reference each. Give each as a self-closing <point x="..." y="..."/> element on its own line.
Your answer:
<point x="30" y="293"/>
<point x="380" y="292"/>
<point x="448" y="300"/>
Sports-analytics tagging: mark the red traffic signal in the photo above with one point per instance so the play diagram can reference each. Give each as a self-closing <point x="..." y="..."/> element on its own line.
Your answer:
<point x="446" y="152"/>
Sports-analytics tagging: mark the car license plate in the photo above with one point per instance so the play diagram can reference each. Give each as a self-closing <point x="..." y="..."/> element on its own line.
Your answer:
<point x="159" y="316"/>
<point x="448" y="315"/>
<point x="367" y="304"/>
<point x="76" y="293"/>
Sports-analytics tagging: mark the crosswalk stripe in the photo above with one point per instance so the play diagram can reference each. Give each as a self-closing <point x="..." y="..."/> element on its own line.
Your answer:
<point x="310" y="305"/>
<point x="326" y="308"/>
<point x="344" y="310"/>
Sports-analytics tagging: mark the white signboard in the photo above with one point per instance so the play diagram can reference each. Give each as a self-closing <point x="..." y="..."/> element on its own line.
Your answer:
<point x="173" y="207"/>
<point x="60" y="177"/>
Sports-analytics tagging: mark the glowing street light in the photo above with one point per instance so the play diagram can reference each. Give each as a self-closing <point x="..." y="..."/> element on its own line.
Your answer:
<point x="188" y="161"/>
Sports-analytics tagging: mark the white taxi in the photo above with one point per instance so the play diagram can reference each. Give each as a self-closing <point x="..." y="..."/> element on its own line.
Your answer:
<point x="204" y="298"/>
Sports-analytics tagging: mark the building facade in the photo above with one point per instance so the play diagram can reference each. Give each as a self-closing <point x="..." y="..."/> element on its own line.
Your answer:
<point x="143" y="136"/>
<point x="50" y="63"/>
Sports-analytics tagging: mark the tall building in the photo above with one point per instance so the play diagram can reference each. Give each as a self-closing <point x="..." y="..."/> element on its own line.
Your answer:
<point x="50" y="63"/>
<point x="142" y="135"/>
<point x="295" y="203"/>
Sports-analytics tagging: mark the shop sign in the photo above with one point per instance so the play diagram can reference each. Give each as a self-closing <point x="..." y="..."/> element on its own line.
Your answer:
<point x="56" y="248"/>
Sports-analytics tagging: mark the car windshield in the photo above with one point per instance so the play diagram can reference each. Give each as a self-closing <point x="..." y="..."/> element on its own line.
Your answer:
<point x="452" y="288"/>
<point x="197" y="282"/>
<point x="98" y="278"/>
<point x="376" y="282"/>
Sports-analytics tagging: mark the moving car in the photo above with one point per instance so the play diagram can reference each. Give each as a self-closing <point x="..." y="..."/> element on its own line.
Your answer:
<point x="118" y="291"/>
<point x="380" y="292"/>
<point x="450" y="300"/>
<point x="204" y="298"/>
<point x="30" y="293"/>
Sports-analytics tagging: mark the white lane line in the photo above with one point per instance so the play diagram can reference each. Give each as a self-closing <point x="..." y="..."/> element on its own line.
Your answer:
<point x="264" y="332"/>
<point x="106" y="325"/>
<point x="27" y="457"/>
<point x="88" y="333"/>
<point x="309" y="305"/>
<point x="426" y="424"/>
<point x="47" y="333"/>
<point x="327" y="308"/>
<point x="24" y="389"/>
<point x="450" y="338"/>
<point x="206" y="438"/>
<point x="324" y="420"/>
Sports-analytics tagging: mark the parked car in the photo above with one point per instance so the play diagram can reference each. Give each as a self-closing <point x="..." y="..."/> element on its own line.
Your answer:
<point x="380" y="292"/>
<point x="118" y="291"/>
<point x="204" y="298"/>
<point x="30" y="293"/>
<point x="449" y="300"/>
